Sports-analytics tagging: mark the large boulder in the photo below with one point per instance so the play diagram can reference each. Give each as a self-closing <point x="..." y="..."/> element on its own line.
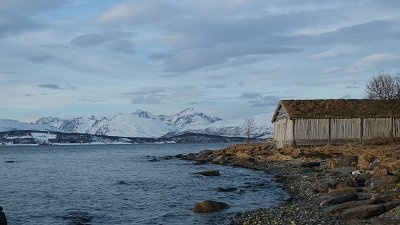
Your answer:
<point x="210" y="206"/>
<point x="363" y="211"/>
<point x="335" y="198"/>
<point x="369" y="210"/>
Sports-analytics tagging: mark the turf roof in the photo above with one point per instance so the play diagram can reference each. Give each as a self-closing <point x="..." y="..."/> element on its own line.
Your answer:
<point x="338" y="108"/>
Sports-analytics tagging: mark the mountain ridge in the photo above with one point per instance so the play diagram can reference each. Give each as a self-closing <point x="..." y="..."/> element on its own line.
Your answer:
<point x="143" y="123"/>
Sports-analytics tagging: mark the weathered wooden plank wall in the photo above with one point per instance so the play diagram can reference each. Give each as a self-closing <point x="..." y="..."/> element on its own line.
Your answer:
<point x="345" y="129"/>
<point x="283" y="132"/>
<point x="313" y="129"/>
<point x="376" y="128"/>
<point x="323" y="131"/>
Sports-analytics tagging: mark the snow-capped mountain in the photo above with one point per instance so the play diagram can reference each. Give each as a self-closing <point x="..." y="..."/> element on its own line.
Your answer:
<point x="79" y="125"/>
<point x="136" y="124"/>
<point x="189" y="118"/>
<point x="11" y="125"/>
<point x="145" y="124"/>
<point x="235" y="128"/>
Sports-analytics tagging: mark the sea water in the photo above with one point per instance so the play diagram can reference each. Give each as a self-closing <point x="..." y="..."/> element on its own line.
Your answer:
<point x="120" y="184"/>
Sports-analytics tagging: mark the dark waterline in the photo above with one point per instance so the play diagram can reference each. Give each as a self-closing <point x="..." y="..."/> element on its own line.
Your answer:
<point x="117" y="184"/>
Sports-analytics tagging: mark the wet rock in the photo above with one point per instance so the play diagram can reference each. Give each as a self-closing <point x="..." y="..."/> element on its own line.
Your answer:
<point x="210" y="173"/>
<point x="153" y="159"/>
<point x="210" y="206"/>
<point x="200" y="162"/>
<point x="122" y="183"/>
<point x="78" y="218"/>
<point x="343" y="161"/>
<point x="167" y="157"/>
<point x="205" y="152"/>
<point x="310" y="164"/>
<point x="229" y="189"/>
<point x="239" y="191"/>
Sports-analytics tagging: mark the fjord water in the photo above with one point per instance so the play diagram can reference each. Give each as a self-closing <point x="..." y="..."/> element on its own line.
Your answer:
<point x="118" y="184"/>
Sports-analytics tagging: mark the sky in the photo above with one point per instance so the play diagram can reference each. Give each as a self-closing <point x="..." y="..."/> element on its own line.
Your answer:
<point x="231" y="59"/>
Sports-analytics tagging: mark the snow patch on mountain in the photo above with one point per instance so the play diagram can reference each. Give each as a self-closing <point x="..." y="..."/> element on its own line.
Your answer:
<point x="11" y="125"/>
<point x="235" y="128"/>
<point x="134" y="125"/>
<point x="190" y="118"/>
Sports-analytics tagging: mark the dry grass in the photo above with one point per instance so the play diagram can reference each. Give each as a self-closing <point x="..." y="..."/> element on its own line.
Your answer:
<point x="337" y="108"/>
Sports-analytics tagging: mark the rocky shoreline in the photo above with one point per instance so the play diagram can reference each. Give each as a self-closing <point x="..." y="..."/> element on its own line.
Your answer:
<point x="326" y="185"/>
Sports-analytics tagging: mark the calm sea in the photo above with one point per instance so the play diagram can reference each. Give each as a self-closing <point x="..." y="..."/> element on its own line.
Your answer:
<point x="118" y="184"/>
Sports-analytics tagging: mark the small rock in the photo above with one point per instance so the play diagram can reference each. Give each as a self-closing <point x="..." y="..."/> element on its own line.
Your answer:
<point x="310" y="164"/>
<point x="240" y="191"/>
<point x="154" y="159"/>
<point x="10" y="161"/>
<point x="210" y="206"/>
<point x="210" y="173"/>
<point x="205" y="152"/>
<point x="221" y="189"/>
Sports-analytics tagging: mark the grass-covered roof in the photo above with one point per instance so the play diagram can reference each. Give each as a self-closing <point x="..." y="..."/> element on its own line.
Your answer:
<point x="339" y="108"/>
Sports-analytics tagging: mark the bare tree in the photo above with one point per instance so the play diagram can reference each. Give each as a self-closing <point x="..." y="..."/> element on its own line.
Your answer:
<point x="249" y="127"/>
<point x="385" y="87"/>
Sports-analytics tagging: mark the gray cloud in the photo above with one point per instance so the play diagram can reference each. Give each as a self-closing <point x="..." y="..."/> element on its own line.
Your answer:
<point x="152" y="99"/>
<point x="258" y="99"/>
<point x="95" y="39"/>
<point x="146" y="90"/>
<point x="122" y="46"/>
<point x="50" y="86"/>
<point x="12" y="24"/>
<point x="16" y="16"/>
<point x="191" y="59"/>
<point x="218" y="86"/>
<point x="40" y="58"/>
<point x="138" y="12"/>
<point x="250" y="95"/>
<point x="265" y="101"/>
<point x="19" y="6"/>
<point x="370" y="31"/>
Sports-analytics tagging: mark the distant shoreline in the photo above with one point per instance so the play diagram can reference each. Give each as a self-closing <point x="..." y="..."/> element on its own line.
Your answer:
<point x="29" y="137"/>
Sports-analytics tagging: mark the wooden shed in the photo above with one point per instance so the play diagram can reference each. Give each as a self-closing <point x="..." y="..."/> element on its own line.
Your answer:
<point x="323" y="121"/>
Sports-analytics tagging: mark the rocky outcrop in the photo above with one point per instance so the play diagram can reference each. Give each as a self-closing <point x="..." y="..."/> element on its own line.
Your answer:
<point x="326" y="185"/>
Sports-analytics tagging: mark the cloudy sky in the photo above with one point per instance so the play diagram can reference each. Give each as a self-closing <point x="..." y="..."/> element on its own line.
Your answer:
<point x="231" y="59"/>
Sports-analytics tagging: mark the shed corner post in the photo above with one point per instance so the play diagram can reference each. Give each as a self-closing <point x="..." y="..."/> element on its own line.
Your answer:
<point x="329" y="130"/>
<point x="294" y="132"/>
<point x="361" y="130"/>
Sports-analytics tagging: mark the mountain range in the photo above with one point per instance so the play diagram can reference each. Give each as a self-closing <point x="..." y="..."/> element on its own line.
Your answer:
<point x="145" y="124"/>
